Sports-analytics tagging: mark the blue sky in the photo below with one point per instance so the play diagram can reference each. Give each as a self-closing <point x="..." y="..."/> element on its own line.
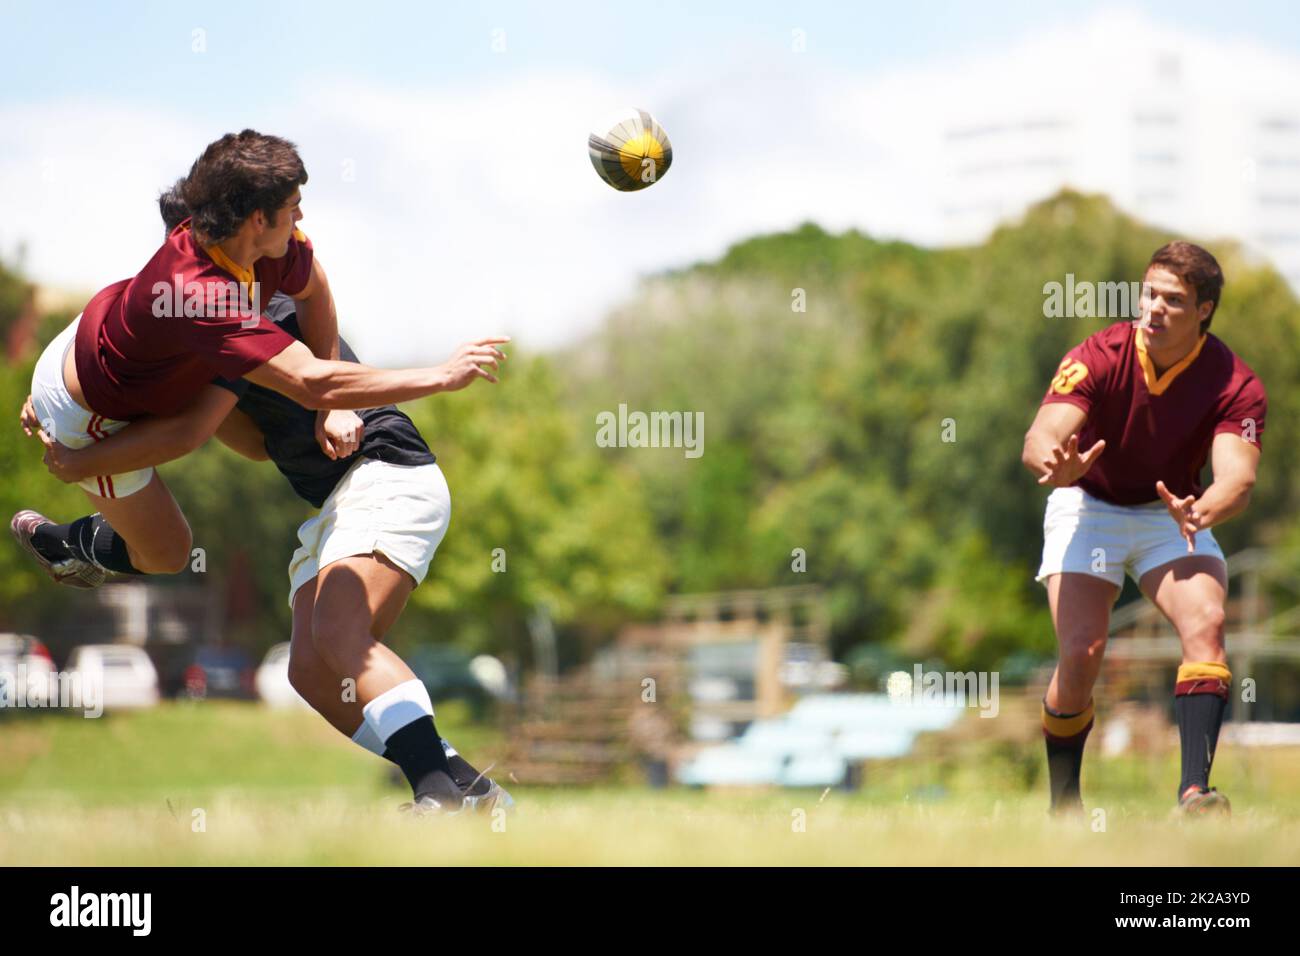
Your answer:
<point x="142" y="51"/>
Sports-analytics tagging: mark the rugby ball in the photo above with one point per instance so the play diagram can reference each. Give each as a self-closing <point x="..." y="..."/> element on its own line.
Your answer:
<point x="631" y="152"/>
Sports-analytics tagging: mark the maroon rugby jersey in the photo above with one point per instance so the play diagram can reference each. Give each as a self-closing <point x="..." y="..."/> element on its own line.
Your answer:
<point x="1156" y="428"/>
<point x="140" y="348"/>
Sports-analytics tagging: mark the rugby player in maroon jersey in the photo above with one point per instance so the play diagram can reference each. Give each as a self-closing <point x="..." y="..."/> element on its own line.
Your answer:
<point x="382" y="513"/>
<point x="1127" y="424"/>
<point x="151" y="346"/>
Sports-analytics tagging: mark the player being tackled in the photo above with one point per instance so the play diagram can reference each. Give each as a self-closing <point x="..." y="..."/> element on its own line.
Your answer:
<point x="139" y="379"/>
<point x="1122" y="435"/>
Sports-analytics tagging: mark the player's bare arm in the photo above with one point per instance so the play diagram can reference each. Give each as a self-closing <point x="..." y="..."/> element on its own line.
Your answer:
<point x="1051" y="448"/>
<point x="338" y="431"/>
<point x="1235" y="462"/>
<point x="316" y="384"/>
<point x="148" y="442"/>
<point x="317" y="317"/>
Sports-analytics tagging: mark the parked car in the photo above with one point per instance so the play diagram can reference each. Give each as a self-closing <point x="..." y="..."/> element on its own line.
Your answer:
<point x="202" y="671"/>
<point x="220" y="672"/>
<point x="272" y="680"/>
<point x="124" y="673"/>
<point x="24" y="656"/>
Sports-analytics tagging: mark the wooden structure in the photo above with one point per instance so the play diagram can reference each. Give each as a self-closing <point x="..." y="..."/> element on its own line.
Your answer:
<point x="628" y="712"/>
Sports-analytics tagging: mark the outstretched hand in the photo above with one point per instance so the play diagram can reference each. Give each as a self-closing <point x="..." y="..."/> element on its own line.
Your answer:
<point x="472" y="360"/>
<point x="1183" y="511"/>
<point x="1066" y="466"/>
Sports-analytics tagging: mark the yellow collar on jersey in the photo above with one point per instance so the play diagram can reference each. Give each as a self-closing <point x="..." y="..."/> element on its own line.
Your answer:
<point x="245" y="276"/>
<point x="1156" y="384"/>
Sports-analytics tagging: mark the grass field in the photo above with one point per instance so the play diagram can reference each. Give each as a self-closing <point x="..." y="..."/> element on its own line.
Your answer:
<point x="282" y="788"/>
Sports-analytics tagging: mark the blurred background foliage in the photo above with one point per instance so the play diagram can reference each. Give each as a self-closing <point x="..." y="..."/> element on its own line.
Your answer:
<point x="824" y="431"/>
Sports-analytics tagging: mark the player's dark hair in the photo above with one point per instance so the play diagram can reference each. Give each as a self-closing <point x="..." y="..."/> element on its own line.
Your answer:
<point x="171" y="203"/>
<point x="1197" y="268"/>
<point x="238" y="175"/>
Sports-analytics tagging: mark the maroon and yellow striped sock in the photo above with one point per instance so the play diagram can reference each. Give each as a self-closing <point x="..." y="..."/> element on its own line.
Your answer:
<point x="1065" y="735"/>
<point x="1200" y="698"/>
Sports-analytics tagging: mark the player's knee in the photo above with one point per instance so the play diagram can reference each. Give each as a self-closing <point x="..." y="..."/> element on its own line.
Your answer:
<point x="1205" y="625"/>
<point x="170" y="556"/>
<point x="300" y="679"/>
<point x="177" y="557"/>
<point x="1081" y="652"/>
<point x="304" y="676"/>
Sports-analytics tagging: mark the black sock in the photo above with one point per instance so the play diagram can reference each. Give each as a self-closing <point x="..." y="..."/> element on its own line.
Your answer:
<point x="90" y="538"/>
<point x="51" y="542"/>
<point x="1199" y="718"/>
<point x="466" y="777"/>
<point x="1065" y="756"/>
<point x="1064" y="769"/>
<point x="417" y="749"/>
<point x="462" y="771"/>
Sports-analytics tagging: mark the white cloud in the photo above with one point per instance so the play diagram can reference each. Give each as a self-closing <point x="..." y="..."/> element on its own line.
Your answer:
<point x="78" y="182"/>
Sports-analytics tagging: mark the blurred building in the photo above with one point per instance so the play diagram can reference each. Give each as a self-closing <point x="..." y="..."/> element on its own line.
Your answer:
<point x="1199" y="137"/>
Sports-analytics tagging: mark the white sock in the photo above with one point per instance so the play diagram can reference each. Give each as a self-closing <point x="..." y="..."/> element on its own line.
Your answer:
<point x="396" y="707"/>
<point x="368" y="739"/>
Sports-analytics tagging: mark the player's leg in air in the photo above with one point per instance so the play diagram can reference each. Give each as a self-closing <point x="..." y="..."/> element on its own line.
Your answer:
<point x="135" y="526"/>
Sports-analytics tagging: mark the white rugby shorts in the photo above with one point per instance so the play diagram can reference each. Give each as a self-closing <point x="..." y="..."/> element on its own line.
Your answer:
<point x="73" y="426"/>
<point x="400" y="511"/>
<point x="1086" y="535"/>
